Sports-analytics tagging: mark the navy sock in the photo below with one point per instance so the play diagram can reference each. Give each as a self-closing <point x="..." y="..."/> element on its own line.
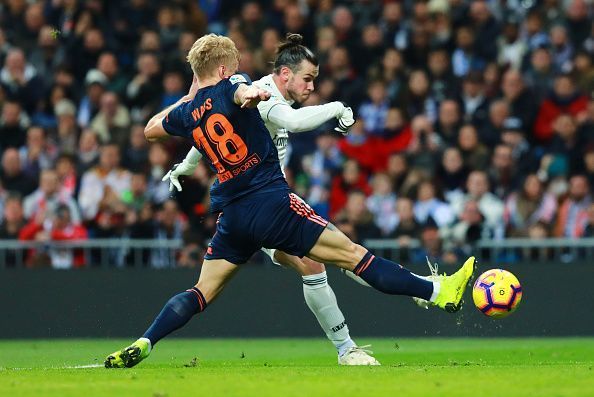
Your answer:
<point x="391" y="278"/>
<point x="175" y="314"/>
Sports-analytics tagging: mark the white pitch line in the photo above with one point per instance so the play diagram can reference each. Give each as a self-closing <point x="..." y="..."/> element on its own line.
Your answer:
<point x="83" y="366"/>
<point x="64" y="367"/>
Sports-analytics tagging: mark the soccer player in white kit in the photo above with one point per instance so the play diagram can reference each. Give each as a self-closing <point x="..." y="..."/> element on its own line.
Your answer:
<point x="292" y="80"/>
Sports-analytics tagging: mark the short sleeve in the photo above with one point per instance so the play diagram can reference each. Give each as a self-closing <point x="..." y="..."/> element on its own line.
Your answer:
<point x="176" y="121"/>
<point x="232" y="83"/>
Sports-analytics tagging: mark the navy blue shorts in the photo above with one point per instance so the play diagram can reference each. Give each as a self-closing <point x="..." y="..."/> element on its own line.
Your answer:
<point x="272" y="218"/>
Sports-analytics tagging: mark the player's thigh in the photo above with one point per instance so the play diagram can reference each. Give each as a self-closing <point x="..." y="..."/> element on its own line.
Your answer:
<point x="214" y="276"/>
<point x="334" y="247"/>
<point x="304" y="266"/>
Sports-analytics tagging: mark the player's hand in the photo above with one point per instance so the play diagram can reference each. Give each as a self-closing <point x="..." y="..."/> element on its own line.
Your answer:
<point x="253" y="95"/>
<point x="179" y="169"/>
<point x="345" y="121"/>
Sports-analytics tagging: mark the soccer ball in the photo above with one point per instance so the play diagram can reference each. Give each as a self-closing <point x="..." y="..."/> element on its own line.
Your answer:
<point x="497" y="293"/>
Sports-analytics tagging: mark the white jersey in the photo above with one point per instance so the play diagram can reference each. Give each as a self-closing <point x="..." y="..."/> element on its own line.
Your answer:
<point x="279" y="135"/>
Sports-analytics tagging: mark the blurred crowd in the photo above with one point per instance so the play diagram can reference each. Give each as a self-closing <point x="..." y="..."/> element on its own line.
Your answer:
<point x="475" y="119"/>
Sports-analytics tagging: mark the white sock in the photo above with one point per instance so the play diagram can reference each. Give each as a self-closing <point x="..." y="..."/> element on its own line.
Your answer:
<point x="436" y="287"/>
<point x="147" y="340"/>
<point x="322" y="302"/>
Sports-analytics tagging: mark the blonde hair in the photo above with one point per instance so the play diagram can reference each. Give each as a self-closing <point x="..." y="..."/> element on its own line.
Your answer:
<point x="210" y="51"/>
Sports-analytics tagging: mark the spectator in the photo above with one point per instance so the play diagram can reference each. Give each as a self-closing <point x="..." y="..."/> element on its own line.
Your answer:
<point x="489" y="205"/>
<point x="46" y="55"/>
<point x="103" y="185"/>
<point x="355" y="220"/>
<point x="448" y="121"/>
<point x="565" y="98"/>
<point x="451" y="173"/>
<point x="490" y="131"/>
<point x="530" y="207"/>
<point x="561" y="47"/>
<point x="173" y="88"/>
<point x="48" y="197"/>
<point x="38" y="154"/>
<point x="67" y="130"/>
<point x="352" y="178"/>
<point x="12" y="221"/>
<point x="20" y="80"/>
<point x="504" y="171"/>
<point x="136" y="151"/>
<point x="464" y="59"/>
<point x="382" y="203"/>
<point x="13" y="124"/>
<point x="425" y="144"/>
<point x="474" y="101"/>
<point x="391" y="72"/>
<point x="443" y="82"/>
<point x="88" y="151"/>
<point x="511" y="47"/>
<point x="67" y="176"/>
<point x="474" y="153"/>
<point x="95" y="83"/>
<point x="469" y="227"/>
<point x="572" y="216"/>
<point x="59" y="228"/>
<point x="159" y="164"/>
<point x="170" y="224"/>
<point x="589" y="231"/>
<point x="519" y="98"/>
<point x="264" y="56"/>
<point x="374" y="111"/>
<point x="429" y="208"/>
<point x="112" y="122"/>
<point x="138" y="195"/>
<point x="109" y="66"/>
<point x="145" y="88"/>
<point x="320" y="168"/>
<point x="432" y="247"/>
<point x="12" y="177"/>
<point x="417" y="100"/>
<point x="534" y="33"/>
<point x="486" y="30"/>
<point x="540" y="73"/>
<point x="408" y="227"/>
<point x="567" y="143"/>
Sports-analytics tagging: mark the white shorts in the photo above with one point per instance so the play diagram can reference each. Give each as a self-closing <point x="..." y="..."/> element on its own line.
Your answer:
<point x="270" y="252"/>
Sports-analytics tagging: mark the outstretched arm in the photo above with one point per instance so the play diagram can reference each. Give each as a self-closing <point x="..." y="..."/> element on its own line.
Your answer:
<point x="306" y="118"/>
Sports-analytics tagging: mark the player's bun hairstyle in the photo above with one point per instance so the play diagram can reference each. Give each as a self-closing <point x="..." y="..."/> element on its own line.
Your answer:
<point x="291" y="53"/>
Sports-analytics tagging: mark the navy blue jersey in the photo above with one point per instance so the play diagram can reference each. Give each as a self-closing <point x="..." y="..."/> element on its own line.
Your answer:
<point x="234" y="140"/>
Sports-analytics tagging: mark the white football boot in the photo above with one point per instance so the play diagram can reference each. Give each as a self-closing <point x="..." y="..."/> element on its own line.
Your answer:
<point x="358" y="355"/>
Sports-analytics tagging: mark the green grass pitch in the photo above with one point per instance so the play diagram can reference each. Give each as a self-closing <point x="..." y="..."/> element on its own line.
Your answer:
<point x="304" y="368"/>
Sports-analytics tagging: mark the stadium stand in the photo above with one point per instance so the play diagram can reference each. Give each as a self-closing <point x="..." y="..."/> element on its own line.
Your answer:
<point x="475" y="125"/>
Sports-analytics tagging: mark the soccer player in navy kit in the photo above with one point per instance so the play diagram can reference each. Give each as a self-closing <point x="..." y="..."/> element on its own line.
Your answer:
<point x="255" y="204"/>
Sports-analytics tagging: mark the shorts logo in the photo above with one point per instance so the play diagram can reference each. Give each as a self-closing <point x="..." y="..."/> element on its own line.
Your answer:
<point x="209" y="250"/>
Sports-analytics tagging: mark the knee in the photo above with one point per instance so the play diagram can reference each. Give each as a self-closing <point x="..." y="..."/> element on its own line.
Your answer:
<point x="312" y="267"/>
<point x="357" y="252"/>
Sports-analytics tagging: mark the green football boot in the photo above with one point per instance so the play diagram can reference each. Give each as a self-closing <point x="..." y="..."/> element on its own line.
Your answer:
<point x="129" y="356"/>
<point x="452" y="287"/>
